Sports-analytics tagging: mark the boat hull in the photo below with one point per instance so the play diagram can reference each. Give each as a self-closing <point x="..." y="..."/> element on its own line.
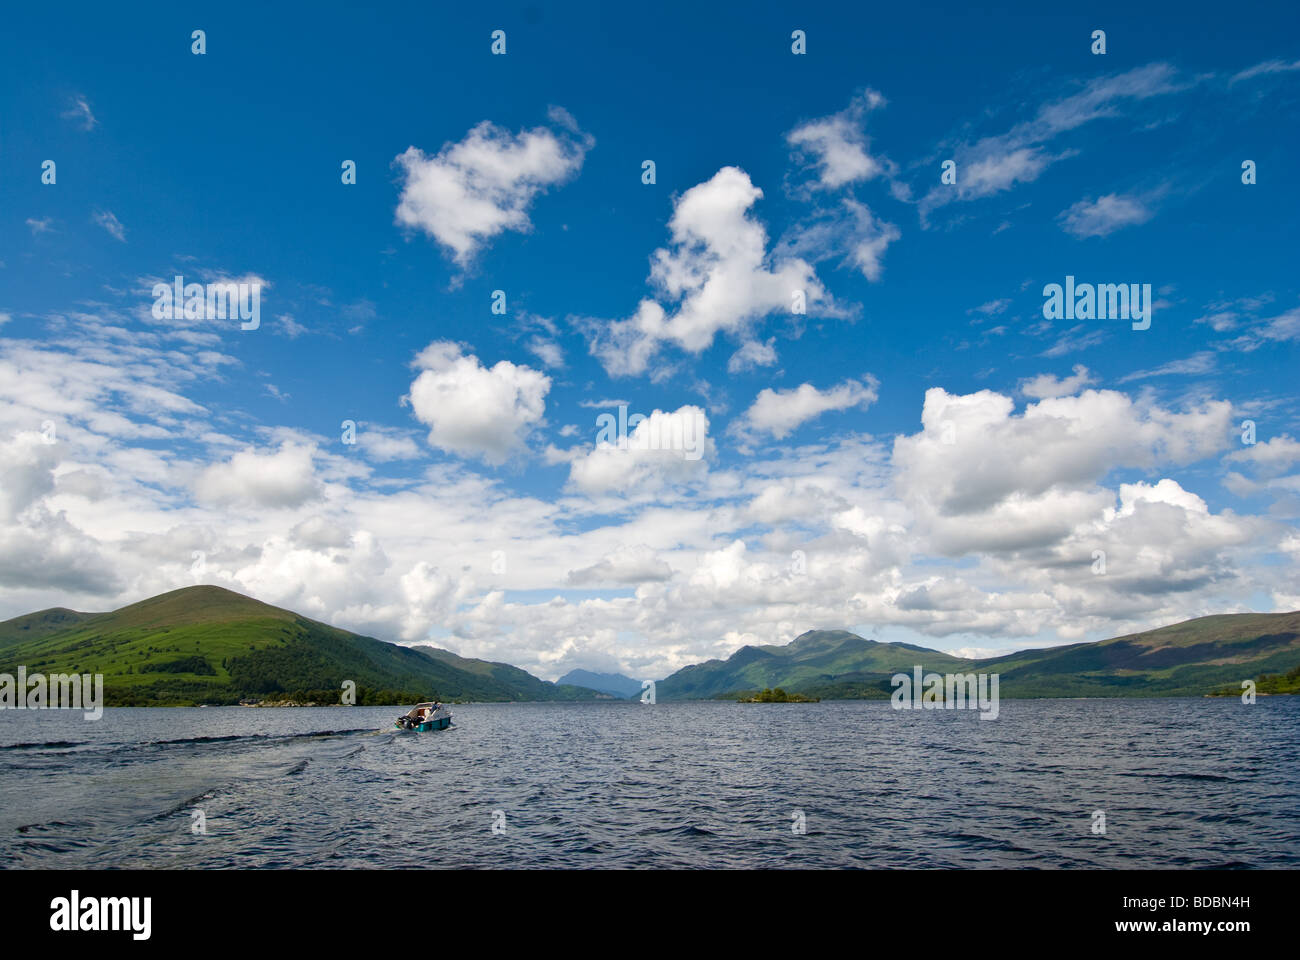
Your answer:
<point x="425" y="726"/>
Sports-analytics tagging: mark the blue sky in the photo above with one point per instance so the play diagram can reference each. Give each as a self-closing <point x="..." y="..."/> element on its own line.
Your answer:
<point x="920" y="455"/>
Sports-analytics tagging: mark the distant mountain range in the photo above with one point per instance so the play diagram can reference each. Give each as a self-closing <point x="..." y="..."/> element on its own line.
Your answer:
<point x="615" y="684"/>
<point x="1195" y="657"/>
<point x="206" y="644"/>
<point x="210" y="645"/>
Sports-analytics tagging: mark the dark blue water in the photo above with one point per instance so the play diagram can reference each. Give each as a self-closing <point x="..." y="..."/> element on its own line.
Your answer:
<point x="1183" y="783"/>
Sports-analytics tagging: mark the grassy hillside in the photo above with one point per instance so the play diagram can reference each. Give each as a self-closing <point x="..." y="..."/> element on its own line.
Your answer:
<point x="1266" y="684"/>
<point x="824" y="663"/>
<point x="32" y="626"/>
<point x="1186" y="659"/>
<point x="210" y="645"/>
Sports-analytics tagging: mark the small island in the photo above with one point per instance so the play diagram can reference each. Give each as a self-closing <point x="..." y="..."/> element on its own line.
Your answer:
<point x="768" y="695"/>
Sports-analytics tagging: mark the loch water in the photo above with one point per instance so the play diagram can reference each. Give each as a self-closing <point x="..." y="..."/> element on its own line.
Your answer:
<point x="1196" y="783"/>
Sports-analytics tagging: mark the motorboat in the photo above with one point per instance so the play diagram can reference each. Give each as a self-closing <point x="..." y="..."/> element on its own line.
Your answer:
<point x="424" y="717"/>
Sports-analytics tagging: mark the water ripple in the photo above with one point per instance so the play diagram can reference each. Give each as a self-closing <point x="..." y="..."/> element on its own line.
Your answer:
<point x="1182" y="783"/>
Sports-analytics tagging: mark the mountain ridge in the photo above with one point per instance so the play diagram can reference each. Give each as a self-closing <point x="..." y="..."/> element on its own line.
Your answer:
<point x="1193" y="657"/>
<point x="207" y="644"/>
<point x="614" y="684"/>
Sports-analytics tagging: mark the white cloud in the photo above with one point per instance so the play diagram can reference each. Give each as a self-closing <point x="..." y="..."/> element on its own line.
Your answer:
<point x="780" y="412"/>
<point x="981" y="478"/>
<point x="289" y="327"/>
<point x="628" y="564"/>
<point x="81" y="113"/>
<point x="547" y="351"/>
<point x="472" y="410"/>
<point x="1103" y="216"/>
<point x="318" y="533"/>
<point x="1075" y="339"/>
<point x="386" y="444"/>
<point x="996" y="164"/>
<point x="718" y="273"/>
<point x="108" y="220"/>
<point x="992" y="308"/>
<point x="1264" y="69"/>
<point x="659" y="561"/>
<point x="850" y="232"/>
<point x="430" y="597"/>
<point x="50" y="554"/>
<point x="26" y="465"/>
<point x="753" y="354"/>
<point x="1271" y="458"/>
<point x="1045" y="385"/>
<point x="1285" y="326"/>
<point x="472" y="191"/>
<point x="871" y="238"/>
<point x="663" y="448"/>
<point x="837" y="145"/>
<point x="1198" y="363"/>
<point x="285" y="478"/>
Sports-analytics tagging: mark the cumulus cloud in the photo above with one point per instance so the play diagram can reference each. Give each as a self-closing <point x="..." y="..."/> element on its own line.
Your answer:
<point x="51" y="554"/>
<point x="547" y="351"/>
<point x="470" y="192"/>
<point x="753" y="354"/>
<point x="837" y="146"/>
<point x="662" y="448"/>
<point x="1045" y="385"/>
<point x="318" y="533"/>
<point x="648" y="561"/>
<point x="1271" y="458"/>
<point x="718" y="273"/>
<point x="779" y="413"/>
<point x="472" y="410"/>
<point x="634" y="564"/>
<point x="982" y="478"/>
<point x="284" y="478"/>
<point x="27" y="462"/>
<point x="386" y="444"/>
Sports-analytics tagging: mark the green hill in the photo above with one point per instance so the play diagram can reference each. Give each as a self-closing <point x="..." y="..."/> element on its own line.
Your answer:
<point x="33" y="625"/>
<point x="1190" y="658"/>
<point x="1193" y="658"/>
<point x="206" y="644"/>
<point x="822" y="663"/>
<point x="210" y="645"/>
